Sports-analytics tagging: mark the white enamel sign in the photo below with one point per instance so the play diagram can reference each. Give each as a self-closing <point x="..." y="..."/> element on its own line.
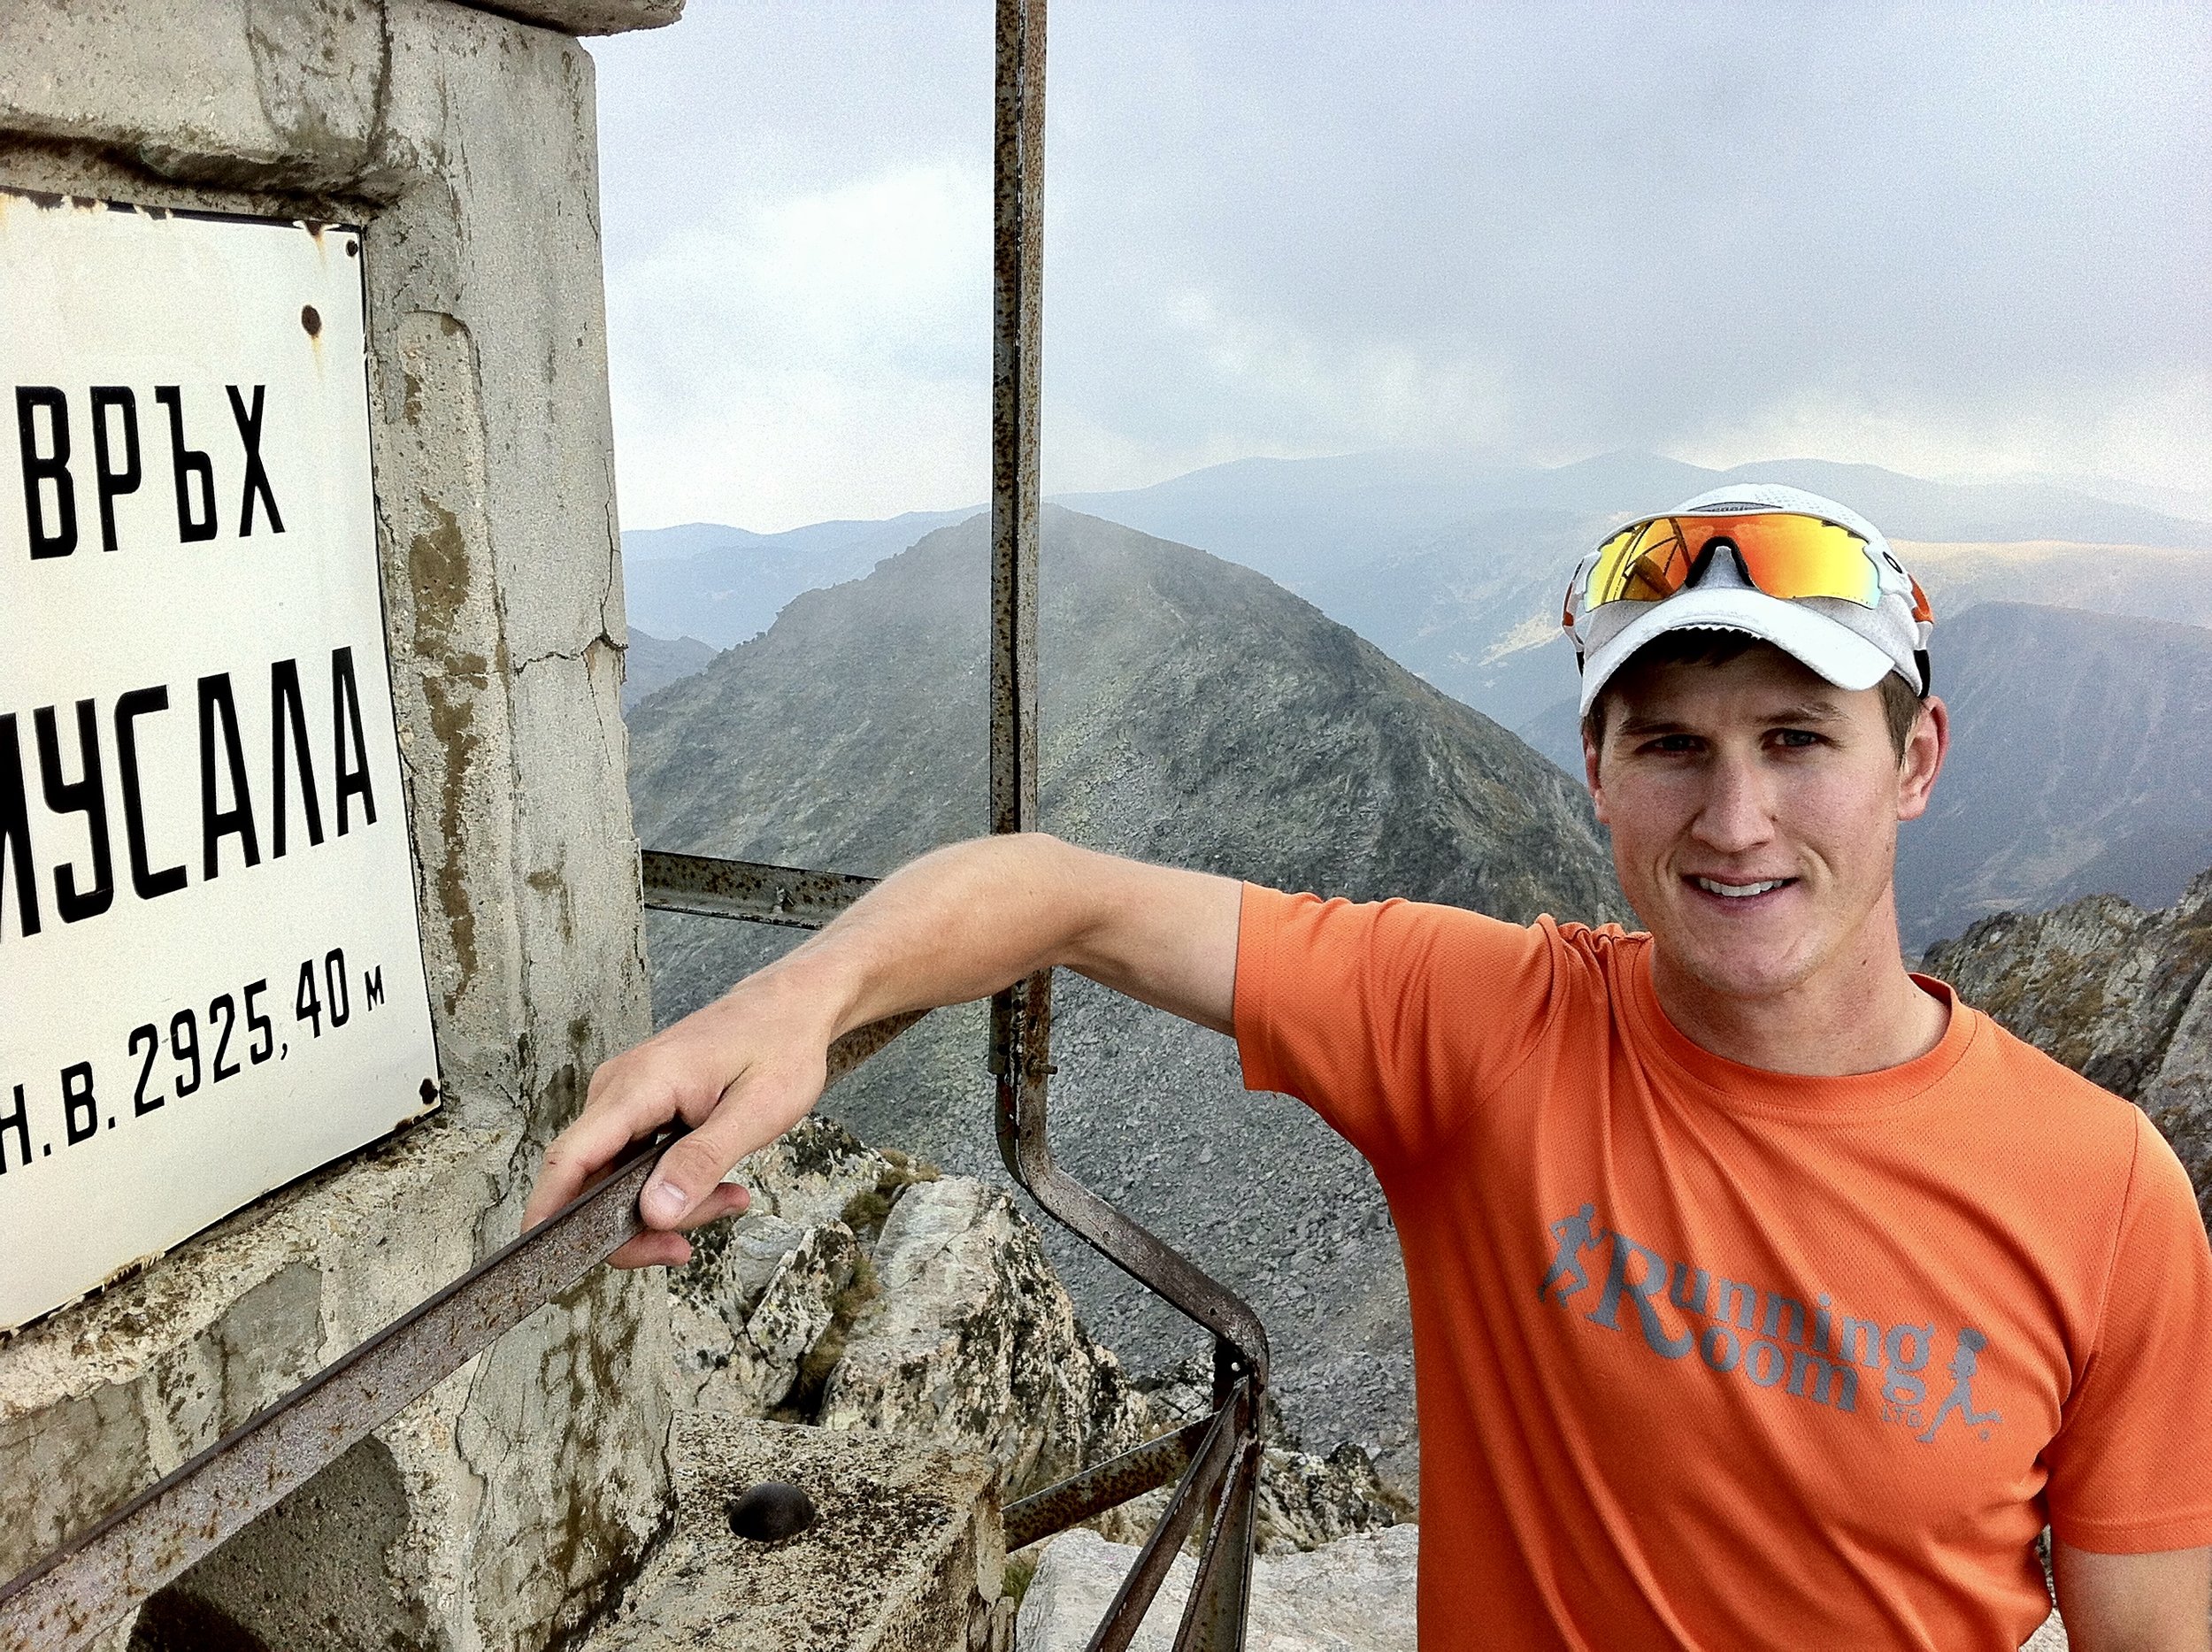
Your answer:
<point x="211" y="977"/>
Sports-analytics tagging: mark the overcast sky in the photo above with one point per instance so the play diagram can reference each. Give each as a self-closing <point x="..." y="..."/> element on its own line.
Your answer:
<point x="1964" y="238"/>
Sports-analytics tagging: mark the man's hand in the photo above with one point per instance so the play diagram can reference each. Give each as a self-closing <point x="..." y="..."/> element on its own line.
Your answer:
<point x="2156" y="1603"/>
<point x="955" y="925"/>
<point x="741" y="1072"/>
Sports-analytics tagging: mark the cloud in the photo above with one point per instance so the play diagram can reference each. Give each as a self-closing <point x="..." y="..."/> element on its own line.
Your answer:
<point x="1944" y="239"/>
<point x="808" y="355"/>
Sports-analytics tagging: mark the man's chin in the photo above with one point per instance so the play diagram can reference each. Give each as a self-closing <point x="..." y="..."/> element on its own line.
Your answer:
<point x="1734" y="967"/>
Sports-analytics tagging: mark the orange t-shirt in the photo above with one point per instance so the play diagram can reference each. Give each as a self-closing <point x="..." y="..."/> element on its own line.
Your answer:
<point x="1716" y="1357"/>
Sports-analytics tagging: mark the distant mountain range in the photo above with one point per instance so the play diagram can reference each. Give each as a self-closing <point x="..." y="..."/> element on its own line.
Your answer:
<point x="1455" y="569"/>
<point x="1196" y="713"/>
<point x="650" y="663"/>
<point x="724" y="584"/>
<point x="2082" y="765"/>
<point x="1417" y="539"/>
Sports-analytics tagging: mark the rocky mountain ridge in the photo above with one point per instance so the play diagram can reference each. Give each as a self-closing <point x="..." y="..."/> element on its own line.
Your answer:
<point x="1193" y="713"/>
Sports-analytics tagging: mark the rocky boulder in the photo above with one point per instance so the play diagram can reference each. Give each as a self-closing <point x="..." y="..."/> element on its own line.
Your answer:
<point x="864" y="1291"/>
<point x="2121" y="996"/>
<point x="970" y="1339"/>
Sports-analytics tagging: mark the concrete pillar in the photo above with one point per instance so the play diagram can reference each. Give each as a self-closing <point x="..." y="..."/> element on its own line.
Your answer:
<point x="508" y="1507"/>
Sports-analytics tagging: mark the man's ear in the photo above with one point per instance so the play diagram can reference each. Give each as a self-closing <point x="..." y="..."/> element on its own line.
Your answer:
<point x="1590" y="773"/>
<point x="1926" y="748"/>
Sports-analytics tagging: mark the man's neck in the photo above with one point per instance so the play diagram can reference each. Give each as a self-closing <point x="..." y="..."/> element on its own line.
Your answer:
<point x="1860" y="1013"/>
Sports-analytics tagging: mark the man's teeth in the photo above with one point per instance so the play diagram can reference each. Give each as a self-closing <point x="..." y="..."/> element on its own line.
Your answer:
<point x="1738" y="891"/>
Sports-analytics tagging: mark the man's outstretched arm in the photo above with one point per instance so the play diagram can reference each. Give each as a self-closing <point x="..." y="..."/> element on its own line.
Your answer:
<point x="958" y="924"/>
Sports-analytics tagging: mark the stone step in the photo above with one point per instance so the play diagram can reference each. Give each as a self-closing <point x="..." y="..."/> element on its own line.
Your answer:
<point x="907" y="1553"/>
<point x="1356" y="1595"/>
<point x="1353" y="1595"/>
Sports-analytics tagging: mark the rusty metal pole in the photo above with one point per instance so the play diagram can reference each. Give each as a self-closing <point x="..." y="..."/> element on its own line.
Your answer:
<point x="1222" y="1476"/>
<point x="1020" y="1016"/>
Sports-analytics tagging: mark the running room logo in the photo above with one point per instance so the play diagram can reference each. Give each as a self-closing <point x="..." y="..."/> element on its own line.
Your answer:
<point x="1744" y="1331"/>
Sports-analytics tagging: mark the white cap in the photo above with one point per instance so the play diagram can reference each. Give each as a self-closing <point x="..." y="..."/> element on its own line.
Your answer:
<point x="1850" y="646"/>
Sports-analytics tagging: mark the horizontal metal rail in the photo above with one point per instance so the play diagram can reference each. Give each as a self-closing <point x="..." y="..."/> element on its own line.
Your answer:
<point x="1107" y="1485"/>
<point x="790" y="897"/>
<point x="72" y="1594"/>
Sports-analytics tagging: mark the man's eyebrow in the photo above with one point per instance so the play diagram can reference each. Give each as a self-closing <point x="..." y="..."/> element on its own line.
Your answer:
<point x="1805" y="711"/>
<point x="1796" y="713"/>
<point x="1636" y="727"/>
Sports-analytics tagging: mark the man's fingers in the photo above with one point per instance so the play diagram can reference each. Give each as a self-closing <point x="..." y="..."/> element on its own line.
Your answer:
<point x="597" y="1138"/>
<point x="657" y="1248"/>
<point x="653" y="1250"/>
<point x="751" y="1115"/>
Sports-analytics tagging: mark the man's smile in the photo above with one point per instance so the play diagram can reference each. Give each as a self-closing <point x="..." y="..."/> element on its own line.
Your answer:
<point x="1738" y="891"/>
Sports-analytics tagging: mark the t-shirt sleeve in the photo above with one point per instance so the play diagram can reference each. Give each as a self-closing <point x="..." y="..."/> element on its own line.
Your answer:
<point x="1390" y="1020"/>
<point x="2131" y="1468"/>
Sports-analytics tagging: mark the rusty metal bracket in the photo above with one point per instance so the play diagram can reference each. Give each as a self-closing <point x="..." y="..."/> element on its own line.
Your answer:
<point x="1228" y="1435"/>
<point x="65" y="1599"/>
<point x="1021" y="1017"/>
<point x="789" y="897"/>
<point x="1104" y="1486"/>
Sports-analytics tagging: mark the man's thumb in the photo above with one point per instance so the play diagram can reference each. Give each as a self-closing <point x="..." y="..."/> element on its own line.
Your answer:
<point x="664" y="1202"/>
<point x="687" y="1173"/>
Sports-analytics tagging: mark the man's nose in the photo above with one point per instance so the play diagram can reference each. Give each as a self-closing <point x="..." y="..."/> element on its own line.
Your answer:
<point x="1737" y="814"/>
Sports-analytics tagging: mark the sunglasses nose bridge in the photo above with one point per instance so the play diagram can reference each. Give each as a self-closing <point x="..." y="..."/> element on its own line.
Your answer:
<point x="1702" y="561"/>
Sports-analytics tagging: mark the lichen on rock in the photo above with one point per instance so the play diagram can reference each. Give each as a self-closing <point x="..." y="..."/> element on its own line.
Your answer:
<point x="864" y="1291"/>
<point x="2121" y="996"/>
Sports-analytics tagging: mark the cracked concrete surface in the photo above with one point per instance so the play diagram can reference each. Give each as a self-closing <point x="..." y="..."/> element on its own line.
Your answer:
<point x="506" y="1508"/>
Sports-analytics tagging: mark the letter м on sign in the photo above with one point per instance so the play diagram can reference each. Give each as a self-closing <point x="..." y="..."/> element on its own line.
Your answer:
<point x="209" y="955"/>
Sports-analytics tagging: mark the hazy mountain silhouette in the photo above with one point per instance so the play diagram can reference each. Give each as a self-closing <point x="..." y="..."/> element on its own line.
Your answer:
<point x="724" y="584"/>
<point x="1457" y="569"/>
<point x="1454" y="568"/>
<point x="2082" y="764"/>
<point x="650" y="663"/>
<point x="1195" y="713"/>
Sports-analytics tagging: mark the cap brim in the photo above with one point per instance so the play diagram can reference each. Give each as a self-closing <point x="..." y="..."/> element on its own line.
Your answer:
<point x="1823" y="647"/>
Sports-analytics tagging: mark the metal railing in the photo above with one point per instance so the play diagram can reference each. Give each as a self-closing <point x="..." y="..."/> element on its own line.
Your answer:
<point x="72" y="1594"/>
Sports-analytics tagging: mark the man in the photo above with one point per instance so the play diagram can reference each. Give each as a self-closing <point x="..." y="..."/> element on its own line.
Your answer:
<point x="1763" y="1295"/>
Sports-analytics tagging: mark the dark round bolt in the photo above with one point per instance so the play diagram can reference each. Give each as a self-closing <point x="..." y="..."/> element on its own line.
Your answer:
<point x="310" y="320"/>
<point x="770" y="1511"/>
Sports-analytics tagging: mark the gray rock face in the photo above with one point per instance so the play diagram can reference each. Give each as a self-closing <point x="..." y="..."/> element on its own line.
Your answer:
<point x="761" y="1309"/>
<point x="2121" y="996"/>
<point x="972" y="1340"/>
<point x="1193" y="713"/>
<point x="925" y="1306"/>
<point x="904" y="1556"/>
<point x="1353" y="1595"/>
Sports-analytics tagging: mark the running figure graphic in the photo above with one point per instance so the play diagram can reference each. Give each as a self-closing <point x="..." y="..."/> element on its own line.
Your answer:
<point x="1961" y="1399"/>
<point x="1575" y="1235"/>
